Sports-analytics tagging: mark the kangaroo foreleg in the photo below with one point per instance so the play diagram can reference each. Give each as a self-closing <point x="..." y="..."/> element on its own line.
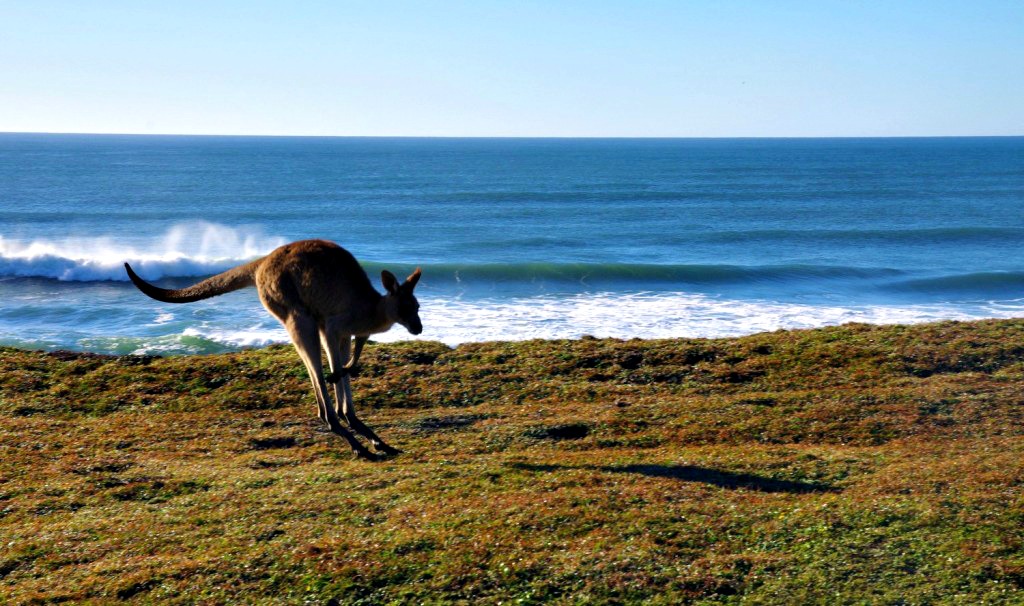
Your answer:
<point x="356" y="352"/>
<point x="351" y="368"/>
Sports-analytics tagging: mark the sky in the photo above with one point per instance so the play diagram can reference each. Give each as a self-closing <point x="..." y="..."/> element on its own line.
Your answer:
<point x="549" y="68"/>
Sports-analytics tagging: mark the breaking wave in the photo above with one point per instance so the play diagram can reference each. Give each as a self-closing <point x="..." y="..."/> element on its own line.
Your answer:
<point x="198" y="249"/>
<point x="188" y="249"/>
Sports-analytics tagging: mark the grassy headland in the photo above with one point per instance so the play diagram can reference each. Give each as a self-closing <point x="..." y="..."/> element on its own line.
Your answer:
<point x="856" y="464"/>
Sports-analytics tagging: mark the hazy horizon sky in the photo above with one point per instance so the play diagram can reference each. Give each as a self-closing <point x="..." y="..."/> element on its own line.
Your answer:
<point x="532" y="68"/>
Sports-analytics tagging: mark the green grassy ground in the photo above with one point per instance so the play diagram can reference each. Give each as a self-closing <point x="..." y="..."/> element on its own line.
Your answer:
<point x="857" y="464"/>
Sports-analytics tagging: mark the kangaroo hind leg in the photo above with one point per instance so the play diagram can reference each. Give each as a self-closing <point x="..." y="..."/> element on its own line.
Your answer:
<point x="303" y="331"/>
<point x="338" y="349"/>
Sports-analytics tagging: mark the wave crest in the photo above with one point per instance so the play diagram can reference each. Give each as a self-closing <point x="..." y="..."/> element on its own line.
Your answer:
<point x="187" y="249"/>
<point x="638" y="273"/>
<point x="988" y="282"/>
<point x="196" y="249"/>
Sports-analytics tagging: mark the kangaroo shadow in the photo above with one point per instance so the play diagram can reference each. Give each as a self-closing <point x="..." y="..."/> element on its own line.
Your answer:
<point x="692" y="473"/>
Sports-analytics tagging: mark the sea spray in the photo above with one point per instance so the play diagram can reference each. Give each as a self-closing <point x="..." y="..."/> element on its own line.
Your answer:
<point x="197" y="248"/>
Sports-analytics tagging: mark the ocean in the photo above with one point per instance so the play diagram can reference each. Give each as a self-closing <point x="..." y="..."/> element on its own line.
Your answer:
<point x="517" y="238"/>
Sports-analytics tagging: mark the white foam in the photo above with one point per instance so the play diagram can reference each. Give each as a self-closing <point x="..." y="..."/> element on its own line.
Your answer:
<point x="163" y="318"/>
<point x="187" y="249"/>
<point x="256" y="336"/>
<point x="644" y="315"/>
<point x="664" y="315"/>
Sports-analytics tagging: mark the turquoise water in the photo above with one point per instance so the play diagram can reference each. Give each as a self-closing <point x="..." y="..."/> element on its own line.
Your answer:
<point x="517" y="238"/>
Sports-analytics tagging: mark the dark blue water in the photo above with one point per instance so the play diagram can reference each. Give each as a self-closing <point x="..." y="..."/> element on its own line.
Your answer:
<point x="518" y="238"/>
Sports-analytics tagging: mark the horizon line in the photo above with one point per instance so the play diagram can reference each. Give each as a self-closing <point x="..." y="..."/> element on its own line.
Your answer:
<point x="553" y="137"/>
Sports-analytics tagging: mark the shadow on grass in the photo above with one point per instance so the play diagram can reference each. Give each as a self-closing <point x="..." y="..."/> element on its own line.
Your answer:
<point x="691" y="473"/>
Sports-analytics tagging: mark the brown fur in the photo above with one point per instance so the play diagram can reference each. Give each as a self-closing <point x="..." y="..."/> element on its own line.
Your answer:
<point x="322" y="296"/>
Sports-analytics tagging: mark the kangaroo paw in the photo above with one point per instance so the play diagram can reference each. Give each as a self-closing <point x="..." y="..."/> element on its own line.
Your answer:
<point x="335" y="376"/>
<point x="366" y="455"/>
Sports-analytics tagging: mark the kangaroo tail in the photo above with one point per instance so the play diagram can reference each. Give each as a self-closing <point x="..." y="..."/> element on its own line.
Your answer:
<point x="232" y="279"/>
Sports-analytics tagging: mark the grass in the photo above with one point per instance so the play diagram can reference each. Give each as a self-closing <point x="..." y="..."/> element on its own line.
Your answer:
<point x="847" y="465"/>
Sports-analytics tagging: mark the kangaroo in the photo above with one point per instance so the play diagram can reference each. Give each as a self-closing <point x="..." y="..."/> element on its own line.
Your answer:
<point x="322" y="296"/>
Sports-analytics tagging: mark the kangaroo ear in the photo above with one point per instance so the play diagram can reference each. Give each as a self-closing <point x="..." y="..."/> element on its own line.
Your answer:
<point x="413" y="278"/>
<point x="389" y="281"/>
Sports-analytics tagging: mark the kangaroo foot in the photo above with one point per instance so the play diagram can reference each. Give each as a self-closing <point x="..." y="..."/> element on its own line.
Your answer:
<point x="360" y="451"/>
<point x="386" y="450"/>
<point x="366" y="455"/>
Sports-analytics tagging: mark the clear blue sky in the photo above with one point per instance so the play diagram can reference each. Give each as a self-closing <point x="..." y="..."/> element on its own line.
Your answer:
<point x="514" y="68"/>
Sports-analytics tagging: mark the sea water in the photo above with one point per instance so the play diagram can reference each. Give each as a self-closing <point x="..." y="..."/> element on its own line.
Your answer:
<point x="517" y="238"/>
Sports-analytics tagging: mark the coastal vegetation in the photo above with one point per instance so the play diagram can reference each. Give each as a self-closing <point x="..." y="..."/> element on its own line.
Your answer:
<point x="851" y="464"/>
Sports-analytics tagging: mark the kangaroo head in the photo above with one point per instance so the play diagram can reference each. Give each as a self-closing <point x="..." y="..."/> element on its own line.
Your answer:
<point x="402" y="305"/>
